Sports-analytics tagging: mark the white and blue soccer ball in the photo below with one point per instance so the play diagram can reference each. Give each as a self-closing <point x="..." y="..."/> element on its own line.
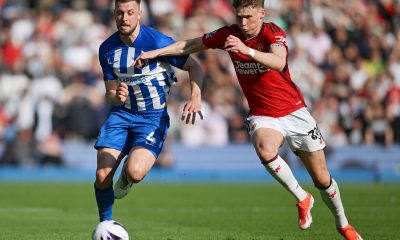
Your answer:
<point x="110" y="230"/>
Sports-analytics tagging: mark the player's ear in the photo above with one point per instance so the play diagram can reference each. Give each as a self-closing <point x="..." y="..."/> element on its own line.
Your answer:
<point x="140" y="14"/>
<point x="262" y="13"/>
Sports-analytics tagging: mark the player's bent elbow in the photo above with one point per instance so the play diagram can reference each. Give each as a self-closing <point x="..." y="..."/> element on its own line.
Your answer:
<point x="281" y="66"/>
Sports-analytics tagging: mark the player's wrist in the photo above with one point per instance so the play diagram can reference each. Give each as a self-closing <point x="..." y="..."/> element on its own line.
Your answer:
<point x="252" y="53"/>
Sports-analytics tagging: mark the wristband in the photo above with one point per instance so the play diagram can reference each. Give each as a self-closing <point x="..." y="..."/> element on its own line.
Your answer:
<point x="252" y="53"/>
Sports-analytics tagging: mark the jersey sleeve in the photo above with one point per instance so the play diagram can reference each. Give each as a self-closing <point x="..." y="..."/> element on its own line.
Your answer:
<point x="216" y="39"/>
<point x="106" y="64"/>
<point x="275" y="35"/>
<point x="176" y="61"/>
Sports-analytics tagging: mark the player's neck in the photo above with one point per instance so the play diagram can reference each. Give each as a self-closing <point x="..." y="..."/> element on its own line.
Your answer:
<point x="251" y="36"/>
<point x="129" y="39"/>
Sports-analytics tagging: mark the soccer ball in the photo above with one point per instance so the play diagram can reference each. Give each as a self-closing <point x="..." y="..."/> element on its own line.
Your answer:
<point x="110" y="230"/>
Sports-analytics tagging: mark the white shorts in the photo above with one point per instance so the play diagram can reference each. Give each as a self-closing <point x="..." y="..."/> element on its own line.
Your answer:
<point x="298" y="128"/>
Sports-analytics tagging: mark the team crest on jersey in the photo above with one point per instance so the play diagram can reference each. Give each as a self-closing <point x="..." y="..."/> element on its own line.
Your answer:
<point x="259" y="47"/>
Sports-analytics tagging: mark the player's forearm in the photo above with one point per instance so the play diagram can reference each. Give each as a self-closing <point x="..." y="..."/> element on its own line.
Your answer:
<point x="183" y="47"/>
<point x="195" y="90"/>
<point x="175" y="49"/>
<point x="196" y="76"/>
<point x="270" y="60"/>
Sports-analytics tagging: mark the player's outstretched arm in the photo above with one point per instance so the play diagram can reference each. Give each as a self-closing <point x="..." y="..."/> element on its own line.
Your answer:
<point x="179" y="48"/>
<point x="193" y="107"/>
<point x="116" y="92"/>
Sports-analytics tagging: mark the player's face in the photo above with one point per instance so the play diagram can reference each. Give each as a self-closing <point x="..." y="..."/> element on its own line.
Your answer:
<point x="250" y="20"/>
<point x="127" y="15"/>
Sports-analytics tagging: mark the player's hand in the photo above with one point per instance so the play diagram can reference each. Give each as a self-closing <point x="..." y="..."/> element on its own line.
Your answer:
<point x="234" y="44"/>
<point x="191" y="109"/>
<point x="139" y="62"/>
<point x="122" y="92"/>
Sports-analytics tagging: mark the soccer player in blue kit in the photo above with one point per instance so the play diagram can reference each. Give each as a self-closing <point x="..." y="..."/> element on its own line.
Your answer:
<point x="137" y="125"/>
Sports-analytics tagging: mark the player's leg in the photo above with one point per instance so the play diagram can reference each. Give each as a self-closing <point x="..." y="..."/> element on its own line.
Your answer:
<point x="107" y="162"/>
<point x="136" y="167"/>
<point x="305" y="138"/>
<point x="110" y="144"/>
<point x="149" y="133"/>
<point x="267" y="136"/>
<point x="316" y="165"/>
<point x="266" y="142"/>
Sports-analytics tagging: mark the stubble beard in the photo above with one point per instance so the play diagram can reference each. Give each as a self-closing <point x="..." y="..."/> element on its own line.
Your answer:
<point x="130" y="32"/>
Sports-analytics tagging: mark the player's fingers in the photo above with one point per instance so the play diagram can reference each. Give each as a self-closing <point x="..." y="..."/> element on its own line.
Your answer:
<point x="138" y="63"/>
<point x="188" y="118"/>
<point x="194" y="118"/>
<point x="183" y="116"/>
<point x="122" y="92"/>
<point x="122" y="85"/>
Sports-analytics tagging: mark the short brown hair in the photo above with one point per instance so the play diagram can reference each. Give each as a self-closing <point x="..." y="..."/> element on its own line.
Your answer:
<point x="248" y="3"/>
<point x="118" y="1"/>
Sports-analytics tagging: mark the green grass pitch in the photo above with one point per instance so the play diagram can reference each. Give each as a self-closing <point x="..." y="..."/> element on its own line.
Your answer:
<point x="192" y="211"/>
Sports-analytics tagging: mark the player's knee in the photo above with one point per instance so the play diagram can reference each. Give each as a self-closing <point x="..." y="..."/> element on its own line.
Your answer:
<point x="137" y="178"/>
<point x="322" y="180"/>
<point x="266" y="153"/>
<point x="136" y="175"/>
<point x="102" y="179"/>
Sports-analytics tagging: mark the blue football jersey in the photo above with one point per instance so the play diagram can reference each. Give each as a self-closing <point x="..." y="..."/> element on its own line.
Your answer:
<point x="149" y="85"/>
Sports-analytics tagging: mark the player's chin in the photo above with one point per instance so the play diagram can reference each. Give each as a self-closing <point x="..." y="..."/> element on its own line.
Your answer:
<point x="125" y="30"/>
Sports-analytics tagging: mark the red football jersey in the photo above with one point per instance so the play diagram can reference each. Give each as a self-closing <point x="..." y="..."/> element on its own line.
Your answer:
<point x="269" y="92"/>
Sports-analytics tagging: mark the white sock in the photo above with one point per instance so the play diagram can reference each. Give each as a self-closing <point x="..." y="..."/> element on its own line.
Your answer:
<point x="279" y="169"/>
<point x="331" y="197"/>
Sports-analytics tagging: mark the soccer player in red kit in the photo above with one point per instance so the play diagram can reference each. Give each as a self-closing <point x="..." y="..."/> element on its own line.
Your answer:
<point x="277" y="109"/>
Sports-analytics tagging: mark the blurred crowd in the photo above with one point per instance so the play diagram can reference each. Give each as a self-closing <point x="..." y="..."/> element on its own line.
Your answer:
<point x="344" y="55"/>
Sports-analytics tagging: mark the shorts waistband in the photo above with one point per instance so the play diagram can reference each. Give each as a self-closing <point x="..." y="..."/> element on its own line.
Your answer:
<point x="149" y="113"/>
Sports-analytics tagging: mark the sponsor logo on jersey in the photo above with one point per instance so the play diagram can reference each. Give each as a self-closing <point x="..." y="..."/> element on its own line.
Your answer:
<point x="132" y="80"/>
<point x="250" y="68"/>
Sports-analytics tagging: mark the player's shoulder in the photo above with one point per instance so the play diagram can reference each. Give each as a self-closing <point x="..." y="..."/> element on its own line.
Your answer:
<point x="272" y="28"/>
<point x="234" y="28"/>
<point x="111" y="41"/>
<point x="154" y="36"/>
<point x="150" y="31"/>
<point x="224" y="31"/>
